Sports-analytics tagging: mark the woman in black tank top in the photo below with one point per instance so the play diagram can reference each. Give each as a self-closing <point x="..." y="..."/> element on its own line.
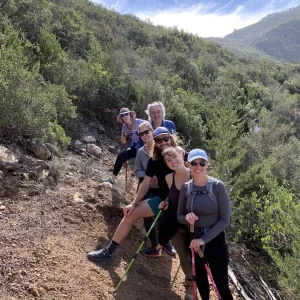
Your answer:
<point x="170" y="228"/>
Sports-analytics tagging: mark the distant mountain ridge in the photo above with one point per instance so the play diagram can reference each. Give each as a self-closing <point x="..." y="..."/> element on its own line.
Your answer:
<point x="277" y="35"/>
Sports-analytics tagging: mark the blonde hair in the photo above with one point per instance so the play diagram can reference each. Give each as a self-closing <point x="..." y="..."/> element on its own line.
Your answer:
<point x="146" y="124"/>
<point x="162" y="107"/>
<point x="157" y="153"/>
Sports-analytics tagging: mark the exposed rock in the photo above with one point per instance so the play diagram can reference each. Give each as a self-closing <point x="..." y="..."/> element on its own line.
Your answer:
<point x="1" y="175"/>
<point x="77" y="198"/>
<point x="7" y="156"/>
<point x="94" y="150"/>
<point x="25" y="176"/>
<point x="54" y="150"/>
<point x="77" y="143"/>
<point x="112" y="149"/>
<point x="2" y="207"/>
<point x="105" y="185"/>
<point x="39" y="149"/>
<point x="9" y="166"/>
<point x="89" y="139"/>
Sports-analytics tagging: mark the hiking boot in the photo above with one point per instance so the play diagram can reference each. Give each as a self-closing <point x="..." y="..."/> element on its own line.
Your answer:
<point x="101" y="255"/>
<point x="151" y="252"/>
<point x="170" y="249"/>
<point x="110" y="180"/>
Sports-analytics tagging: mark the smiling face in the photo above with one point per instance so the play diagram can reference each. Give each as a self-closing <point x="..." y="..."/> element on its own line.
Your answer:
<point x="156" y="114"/>
<point x="162" y="142"/>
<point x="197" y="167"/>
<point x="126" y="117"/>
<point x="173" y="159"/>
<point x="146" y="134"/>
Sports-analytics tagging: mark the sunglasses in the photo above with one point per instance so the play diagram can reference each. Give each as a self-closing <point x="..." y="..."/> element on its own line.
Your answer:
<point x="202" y="163"/>
<point x="144" y="132"/>
<point x="165" y="139"/>
<point x="124" y="115"/>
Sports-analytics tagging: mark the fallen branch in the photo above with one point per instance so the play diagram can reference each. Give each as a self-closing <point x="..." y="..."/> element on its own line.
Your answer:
<point x="238" y="285"/>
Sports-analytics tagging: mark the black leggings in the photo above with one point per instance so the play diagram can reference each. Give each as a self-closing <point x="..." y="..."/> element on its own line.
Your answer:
<point x="122" y="157"/>
<point x="216" y="254"/>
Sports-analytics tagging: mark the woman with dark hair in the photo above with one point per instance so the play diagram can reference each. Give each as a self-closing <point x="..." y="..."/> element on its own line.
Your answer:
<point x="204" y="202"/>
<point x="130" y="128"/>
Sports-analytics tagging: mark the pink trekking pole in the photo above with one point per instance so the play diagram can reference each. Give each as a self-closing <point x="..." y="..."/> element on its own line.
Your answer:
<point x="200" y="253"/>
<point x="192" y="231"/>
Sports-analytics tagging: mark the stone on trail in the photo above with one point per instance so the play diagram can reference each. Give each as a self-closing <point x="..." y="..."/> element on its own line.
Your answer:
<point x="89" y="139"/>
<point x="39" y="149"/>
<point x="94" y="150"/>
<point x="7" y="156"/>
<point x="77" y="198"/>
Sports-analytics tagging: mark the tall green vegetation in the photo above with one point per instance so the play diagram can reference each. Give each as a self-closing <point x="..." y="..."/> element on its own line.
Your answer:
<point x="61" y="58"/>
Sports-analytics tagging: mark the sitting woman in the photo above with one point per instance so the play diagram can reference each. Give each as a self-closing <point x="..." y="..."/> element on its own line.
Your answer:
<point x="143" y="155"/>
<point x="204" y="202"/>
<point x="129" y="128"/>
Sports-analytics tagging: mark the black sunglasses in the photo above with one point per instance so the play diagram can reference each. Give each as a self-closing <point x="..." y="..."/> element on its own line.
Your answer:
<point x="202" y="163"/>
<point x="144" y="132"/>
<point x="124" y="115"/>
<point x="159" y="141"/>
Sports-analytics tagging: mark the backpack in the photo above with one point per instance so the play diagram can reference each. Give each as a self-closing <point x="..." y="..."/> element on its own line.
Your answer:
<point x="209" y="190"/>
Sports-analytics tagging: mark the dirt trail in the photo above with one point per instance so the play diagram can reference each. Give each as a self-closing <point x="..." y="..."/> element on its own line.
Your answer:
<point x="46" y="232"/>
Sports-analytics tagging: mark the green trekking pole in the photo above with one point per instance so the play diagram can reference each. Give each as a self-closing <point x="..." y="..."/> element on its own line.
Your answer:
<point x="138" y="251"/>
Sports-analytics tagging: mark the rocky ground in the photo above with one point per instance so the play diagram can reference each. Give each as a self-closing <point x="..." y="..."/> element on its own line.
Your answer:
<point x="52" y="213"/>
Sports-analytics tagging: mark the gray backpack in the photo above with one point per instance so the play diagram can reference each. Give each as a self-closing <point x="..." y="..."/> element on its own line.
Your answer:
<point x="209" y="190"/>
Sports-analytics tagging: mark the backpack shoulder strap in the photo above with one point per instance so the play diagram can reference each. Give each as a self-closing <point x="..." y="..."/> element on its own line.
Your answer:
<point x="210" y="189"/>
<point x="189" y="187"/>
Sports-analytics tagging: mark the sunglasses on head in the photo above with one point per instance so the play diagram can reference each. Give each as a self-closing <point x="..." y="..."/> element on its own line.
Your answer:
<point x="144" y="132"/>
<point x="164" y="139"/>
<point x="124" y="115"/>
<point x="202" y="163"/>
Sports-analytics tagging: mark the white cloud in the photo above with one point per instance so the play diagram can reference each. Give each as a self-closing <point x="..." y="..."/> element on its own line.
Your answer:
<point x="197" y="20"/>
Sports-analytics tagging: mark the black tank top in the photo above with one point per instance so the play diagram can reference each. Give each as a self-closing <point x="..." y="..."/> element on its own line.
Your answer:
<point x="173" y="195"/>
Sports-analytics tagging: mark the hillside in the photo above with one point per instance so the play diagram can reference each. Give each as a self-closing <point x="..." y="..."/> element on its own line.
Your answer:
<point x="64" y="62"/>
<point x="277" y="35"/>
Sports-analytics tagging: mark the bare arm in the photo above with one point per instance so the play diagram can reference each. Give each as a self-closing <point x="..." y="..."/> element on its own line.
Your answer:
<point x="143" y="189"/>
<point x="123" y="139"/>
<point x="181" y="210"/>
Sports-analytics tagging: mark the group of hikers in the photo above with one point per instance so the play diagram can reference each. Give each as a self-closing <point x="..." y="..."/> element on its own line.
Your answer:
<point x="180" y="185"/>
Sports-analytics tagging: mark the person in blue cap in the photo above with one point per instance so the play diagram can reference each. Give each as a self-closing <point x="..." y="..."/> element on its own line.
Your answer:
<point x="204" y="202"/>
<point x="148" y="208"/>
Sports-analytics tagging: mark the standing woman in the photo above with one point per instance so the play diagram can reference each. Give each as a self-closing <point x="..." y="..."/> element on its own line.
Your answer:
<point x="129" y="128"/>
<point x="210" y="214"/>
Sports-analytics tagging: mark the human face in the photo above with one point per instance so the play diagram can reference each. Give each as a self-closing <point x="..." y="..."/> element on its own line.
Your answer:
<point x="126" y="118"/>
<point x="197" y="167"/>
<point x="156" y="114"/>
<point x="161" y="142"/>
<point x="147" y="134"/>
<point x="174" y="161"/>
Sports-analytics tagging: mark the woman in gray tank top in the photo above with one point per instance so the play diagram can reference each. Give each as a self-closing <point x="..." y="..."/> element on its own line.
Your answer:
<point x="204" y="203"/>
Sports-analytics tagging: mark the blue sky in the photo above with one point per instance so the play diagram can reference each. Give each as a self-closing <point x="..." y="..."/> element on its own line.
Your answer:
<point x="205" y="18"/>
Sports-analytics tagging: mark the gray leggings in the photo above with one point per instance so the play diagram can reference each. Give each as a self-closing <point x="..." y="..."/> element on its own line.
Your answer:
<point x="178" y="241"/>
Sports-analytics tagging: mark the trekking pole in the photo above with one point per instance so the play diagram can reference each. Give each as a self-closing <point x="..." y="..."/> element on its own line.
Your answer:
<point x="138" y="251"/>
<point x="200" y="253"/>
<point x="192" y="231"/>
<point x="126" y="170"/>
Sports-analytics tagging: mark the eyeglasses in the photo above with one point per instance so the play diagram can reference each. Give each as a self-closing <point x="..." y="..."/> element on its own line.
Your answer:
<point x="124" y="115"/>
<point x="144" y="132"/>
<point x="202" y="163"/>
<point x="159" y="141"/>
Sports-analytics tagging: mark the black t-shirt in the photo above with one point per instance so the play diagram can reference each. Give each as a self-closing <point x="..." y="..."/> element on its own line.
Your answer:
<point x="159" y="169"/>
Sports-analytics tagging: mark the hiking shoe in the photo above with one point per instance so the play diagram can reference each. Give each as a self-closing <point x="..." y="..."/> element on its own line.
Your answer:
<point x="151" y="252"/>
<point x="101" y="255"/>
<point x="110" y="180"/>
<point x="170" y="249"/>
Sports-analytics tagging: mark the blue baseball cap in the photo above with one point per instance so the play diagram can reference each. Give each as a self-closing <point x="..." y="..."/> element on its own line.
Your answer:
<point x="160" y="131"/>
<point x="197" y="153"/>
